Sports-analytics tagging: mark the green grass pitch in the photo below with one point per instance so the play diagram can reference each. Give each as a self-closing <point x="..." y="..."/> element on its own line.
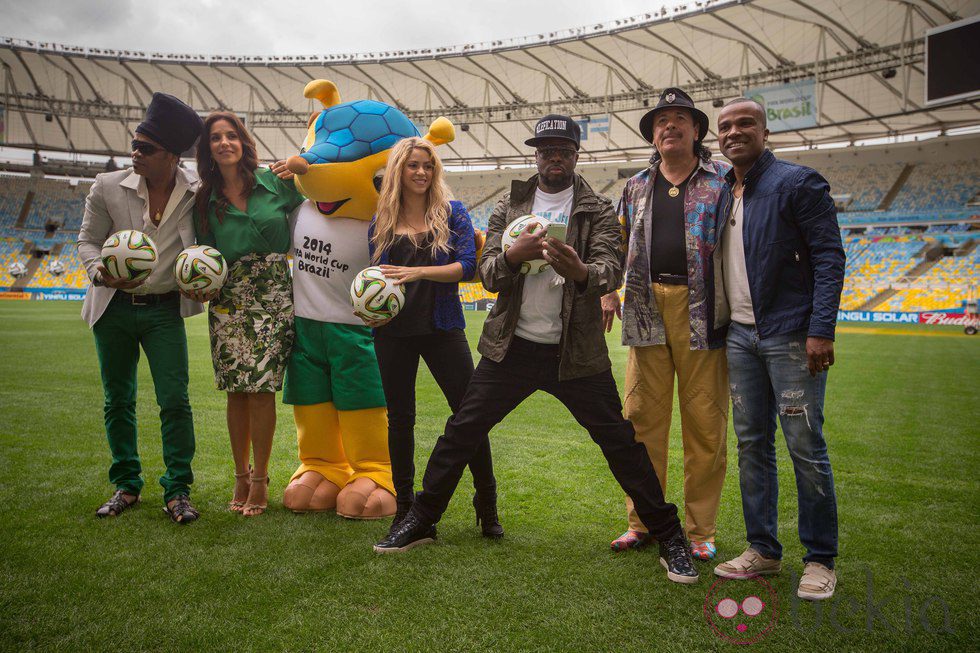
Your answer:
<point x="903" y="435"/>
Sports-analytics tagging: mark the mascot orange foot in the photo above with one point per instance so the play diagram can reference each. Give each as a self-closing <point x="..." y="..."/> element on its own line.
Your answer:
<point x="341" y="469"/>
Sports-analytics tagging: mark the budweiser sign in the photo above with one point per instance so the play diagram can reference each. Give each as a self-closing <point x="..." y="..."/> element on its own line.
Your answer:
<point x="950" y="319"/>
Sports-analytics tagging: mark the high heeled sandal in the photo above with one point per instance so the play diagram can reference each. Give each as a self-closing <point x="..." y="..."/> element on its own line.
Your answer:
<point x="236" y="505"/>
<point x="256" y="509"/>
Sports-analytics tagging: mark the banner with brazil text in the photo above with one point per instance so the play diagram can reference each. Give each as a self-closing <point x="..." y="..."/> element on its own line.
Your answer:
<point x="788" y="106"/>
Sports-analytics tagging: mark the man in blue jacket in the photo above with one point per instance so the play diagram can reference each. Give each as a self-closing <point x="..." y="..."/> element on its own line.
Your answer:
<point x="783" y="269"/>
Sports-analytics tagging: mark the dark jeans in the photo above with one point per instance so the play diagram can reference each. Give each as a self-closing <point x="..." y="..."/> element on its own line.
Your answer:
<point x="769" y="377"/>
<point x="498" y="388"/>
<point x="159" y="330"/>
<point x="447" y="355"/>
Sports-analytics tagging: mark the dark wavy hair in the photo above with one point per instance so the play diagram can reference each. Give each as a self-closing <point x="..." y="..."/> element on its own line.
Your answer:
<point x="207" y="169"/>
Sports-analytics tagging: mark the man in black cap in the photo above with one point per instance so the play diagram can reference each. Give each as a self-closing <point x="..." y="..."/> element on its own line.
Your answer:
<point x="545" y="333"/>
<point x="674" y="317"/>
<point x="155" y="197"/>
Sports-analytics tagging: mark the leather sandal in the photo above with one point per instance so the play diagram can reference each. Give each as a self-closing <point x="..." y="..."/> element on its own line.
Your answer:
<point x="236" y="505"/>
<point x="256" y="509"/>
<point x="116" y="504"/>
<point x="182" y="512"/>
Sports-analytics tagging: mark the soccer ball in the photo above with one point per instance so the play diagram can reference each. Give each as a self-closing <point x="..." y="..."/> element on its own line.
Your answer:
<point x="374" y="296"/>
<point x="56" y="268"/>
<point x="514" y="230"/>
<point x="17" y="269"/>
<point x="200" y="268"/>
<point x="129" y="255"/>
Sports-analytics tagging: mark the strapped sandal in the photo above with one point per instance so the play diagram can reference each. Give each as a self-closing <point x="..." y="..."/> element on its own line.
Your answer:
<point x="236" y="505"/>
<point x="116" y="504"/>
<point x="630" y="540"/>
<point x="182" y="512"/>
<point x="256" y="509"/>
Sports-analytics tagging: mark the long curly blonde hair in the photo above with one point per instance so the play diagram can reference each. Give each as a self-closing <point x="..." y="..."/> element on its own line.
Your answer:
<point x="390" y="198"/>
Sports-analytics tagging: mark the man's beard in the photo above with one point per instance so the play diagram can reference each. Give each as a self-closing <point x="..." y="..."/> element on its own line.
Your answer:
<point x="557" y="182"/>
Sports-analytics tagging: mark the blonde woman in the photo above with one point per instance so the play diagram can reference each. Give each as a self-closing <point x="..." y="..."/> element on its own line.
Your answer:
<point x="423" y="240"/>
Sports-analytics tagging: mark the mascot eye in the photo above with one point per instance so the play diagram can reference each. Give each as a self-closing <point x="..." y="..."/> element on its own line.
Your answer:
<point x="302" y="150"/>
<point x="379" y="175"/>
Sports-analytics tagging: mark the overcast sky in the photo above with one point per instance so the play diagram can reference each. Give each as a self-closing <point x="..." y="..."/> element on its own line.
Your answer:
<point x="292" y="27"/>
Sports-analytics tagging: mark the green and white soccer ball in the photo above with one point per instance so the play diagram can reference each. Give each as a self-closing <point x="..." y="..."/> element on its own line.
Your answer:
<point x="514" y="230"/>
<point x="129" y="255"/>
<point x="374" y="296"/>
<point x="200" y="268"/>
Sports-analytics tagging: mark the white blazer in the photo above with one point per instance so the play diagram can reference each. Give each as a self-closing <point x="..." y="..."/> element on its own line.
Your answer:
<point x="112" y="205"/>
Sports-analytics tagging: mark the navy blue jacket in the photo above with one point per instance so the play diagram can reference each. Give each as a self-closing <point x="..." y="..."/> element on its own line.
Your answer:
<point x="462" y="249"/>
<point x="793" y="251"/>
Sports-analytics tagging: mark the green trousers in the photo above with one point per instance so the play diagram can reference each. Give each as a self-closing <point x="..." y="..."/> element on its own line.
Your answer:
<point x="119" y="334"/>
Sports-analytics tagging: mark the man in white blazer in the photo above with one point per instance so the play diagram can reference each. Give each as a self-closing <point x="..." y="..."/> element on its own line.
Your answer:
<point x="156" y="197"/>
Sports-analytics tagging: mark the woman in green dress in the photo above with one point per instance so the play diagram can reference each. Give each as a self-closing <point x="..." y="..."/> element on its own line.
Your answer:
<point x="243" y="211"/>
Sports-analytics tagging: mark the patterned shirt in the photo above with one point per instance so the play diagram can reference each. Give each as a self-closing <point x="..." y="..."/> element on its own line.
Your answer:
<point x="643" y="325"/>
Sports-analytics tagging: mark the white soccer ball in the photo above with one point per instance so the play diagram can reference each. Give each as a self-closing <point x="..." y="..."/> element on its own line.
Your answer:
<point x="374" y="296"/>
<point x="129" y="255"/>
<point x="200" y="268"/>
<point x="56" y="268"/>
<point x="514" y="230"/>
<point x="17" y="269"/>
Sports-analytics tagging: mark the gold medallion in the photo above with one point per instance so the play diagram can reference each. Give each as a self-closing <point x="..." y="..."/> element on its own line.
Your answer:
<point x="674" y="191"/>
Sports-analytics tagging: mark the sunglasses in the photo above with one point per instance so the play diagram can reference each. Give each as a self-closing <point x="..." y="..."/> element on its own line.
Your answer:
<point x="146" y="149"/>
<point x="563" y="152"/>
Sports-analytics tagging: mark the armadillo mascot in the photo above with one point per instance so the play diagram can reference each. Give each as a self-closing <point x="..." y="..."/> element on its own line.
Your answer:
<point x="332" y="380"/>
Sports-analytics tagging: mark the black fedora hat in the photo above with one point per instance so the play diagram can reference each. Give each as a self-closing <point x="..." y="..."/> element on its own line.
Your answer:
<point x="674" y="98"/>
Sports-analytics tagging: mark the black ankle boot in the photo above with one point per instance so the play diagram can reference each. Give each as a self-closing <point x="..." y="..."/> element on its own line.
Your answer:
<point x="486" y="515"/>
<point x="401" y="509"/>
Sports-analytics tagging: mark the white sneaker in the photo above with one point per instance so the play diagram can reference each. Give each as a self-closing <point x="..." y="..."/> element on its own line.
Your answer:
<point x="818" y="582"/>
<point x="749" y="564"/>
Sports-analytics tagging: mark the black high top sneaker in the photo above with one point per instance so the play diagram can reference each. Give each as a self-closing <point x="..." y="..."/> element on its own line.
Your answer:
<point x="409" y="533"/>
<point x="675" y="557"/>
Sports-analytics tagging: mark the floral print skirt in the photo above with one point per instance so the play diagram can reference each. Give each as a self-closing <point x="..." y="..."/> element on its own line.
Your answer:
<point x="251" y="325"/>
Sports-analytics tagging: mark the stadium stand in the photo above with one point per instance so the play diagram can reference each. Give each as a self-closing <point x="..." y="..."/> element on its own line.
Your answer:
<point x="865" y="185"/>
<point x="11" y="251"/>
<point x="930" y="212"/>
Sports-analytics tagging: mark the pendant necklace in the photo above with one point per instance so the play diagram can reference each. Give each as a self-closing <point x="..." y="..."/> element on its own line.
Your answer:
<point x="675" y="190"/>
<point x="735" y="205"/>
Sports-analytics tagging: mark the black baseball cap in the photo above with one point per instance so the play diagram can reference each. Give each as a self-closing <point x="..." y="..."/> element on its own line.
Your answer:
<point x="673" y="98"/>
<point x="556" y="126"/>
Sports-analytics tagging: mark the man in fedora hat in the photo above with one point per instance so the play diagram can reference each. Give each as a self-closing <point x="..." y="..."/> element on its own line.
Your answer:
<point x="674" y="317"/>
<point x="545" y="333"/>
<point x="156" y="197"/>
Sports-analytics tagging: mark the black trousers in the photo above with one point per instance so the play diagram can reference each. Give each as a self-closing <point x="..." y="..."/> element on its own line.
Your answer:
<point x="447" y="355"/>
<point x="498" y="388"/>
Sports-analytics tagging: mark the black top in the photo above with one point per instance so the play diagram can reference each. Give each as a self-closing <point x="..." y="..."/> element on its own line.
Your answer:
<point x="415" y="318"/>
<point x="668" y="240"/>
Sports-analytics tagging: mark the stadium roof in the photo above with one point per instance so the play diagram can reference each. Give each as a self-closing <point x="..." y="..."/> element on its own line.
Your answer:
<point x="867" y="60"/>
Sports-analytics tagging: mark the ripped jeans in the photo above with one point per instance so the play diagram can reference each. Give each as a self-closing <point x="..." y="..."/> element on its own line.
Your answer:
<point x="769" y="378"/>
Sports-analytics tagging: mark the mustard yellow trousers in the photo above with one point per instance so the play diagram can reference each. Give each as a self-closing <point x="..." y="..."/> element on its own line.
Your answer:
<point x="702" y="388"/>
